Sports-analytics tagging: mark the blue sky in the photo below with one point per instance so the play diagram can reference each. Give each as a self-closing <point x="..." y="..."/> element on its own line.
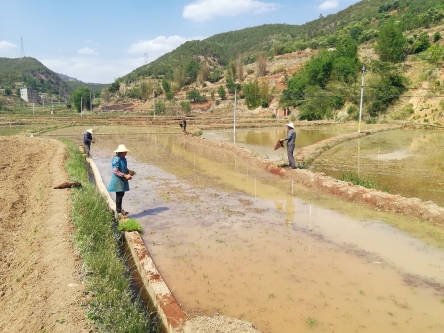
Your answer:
<point x="99" y="41"/>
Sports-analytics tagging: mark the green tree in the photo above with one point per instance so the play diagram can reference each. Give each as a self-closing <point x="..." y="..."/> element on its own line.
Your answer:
<point x="356" y="32"/>
<point x="81" y="96"/>
<point x="421" y="43"/>
<point x="166" y="85"/>
<point x="192" y="70"/>
<point x="252" y="94"/>
<point x="144" y="90"/>
<point x="115" y="86"/>
<point x="221" y="91"/>
<point x="435" y="53"/>
<point x="231" y="86"/>
<point x="389" y="88"/>
<point x="186" y="107"/>
<point x="195" y="96"/>
<point x="391" y="43"/>
<point x="215" y="75"/>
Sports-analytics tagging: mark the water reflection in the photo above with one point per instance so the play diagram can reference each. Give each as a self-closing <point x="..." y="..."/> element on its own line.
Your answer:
<point x="262" y="141"/>
<point x="405" y="162"/>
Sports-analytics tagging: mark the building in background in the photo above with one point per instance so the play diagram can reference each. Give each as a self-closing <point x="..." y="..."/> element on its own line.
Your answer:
<point x="29" y="95"/>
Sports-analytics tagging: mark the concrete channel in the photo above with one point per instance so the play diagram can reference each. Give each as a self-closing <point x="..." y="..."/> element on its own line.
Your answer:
<point x="168" y="309"/>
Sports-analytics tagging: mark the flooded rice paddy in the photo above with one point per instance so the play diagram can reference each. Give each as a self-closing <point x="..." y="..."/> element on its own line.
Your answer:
<point x="236" y="240"/>
<point x="262" y="141"/>
<point x="405" y="162"/>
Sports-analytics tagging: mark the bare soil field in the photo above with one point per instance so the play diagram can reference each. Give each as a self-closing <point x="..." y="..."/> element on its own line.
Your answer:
<point x="40" y="272"/>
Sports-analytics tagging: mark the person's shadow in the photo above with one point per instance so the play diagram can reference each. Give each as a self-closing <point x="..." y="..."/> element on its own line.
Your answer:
<point x="147" y="212"/>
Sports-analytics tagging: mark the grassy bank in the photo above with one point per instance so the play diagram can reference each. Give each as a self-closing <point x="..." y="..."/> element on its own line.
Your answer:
<point x="113" y="307"/>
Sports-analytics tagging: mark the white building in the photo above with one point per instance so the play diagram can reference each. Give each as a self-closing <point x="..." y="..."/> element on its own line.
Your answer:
<point x="29" y="95"/>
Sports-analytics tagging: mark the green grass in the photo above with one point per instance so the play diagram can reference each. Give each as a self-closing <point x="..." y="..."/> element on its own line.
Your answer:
<point x="356" y="180"/>
<point x="114" y="306"/>
<point x="129" y="225"/>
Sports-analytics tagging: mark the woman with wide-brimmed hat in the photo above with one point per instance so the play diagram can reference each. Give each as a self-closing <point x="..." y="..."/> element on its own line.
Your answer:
<point x="291" y="142"/>
<point x="119" y="180"/>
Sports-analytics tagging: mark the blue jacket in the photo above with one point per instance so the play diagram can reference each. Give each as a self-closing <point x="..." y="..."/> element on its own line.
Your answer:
<point x="119" y="184"/>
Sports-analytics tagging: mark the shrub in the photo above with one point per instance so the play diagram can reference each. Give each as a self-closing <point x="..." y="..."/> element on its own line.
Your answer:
<point x="337" y="101"/>
<point x="250" y="71"/>
<point x="264" y="103"/>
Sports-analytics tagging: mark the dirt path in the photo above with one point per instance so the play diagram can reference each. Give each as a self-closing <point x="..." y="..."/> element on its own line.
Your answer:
<point x="40" y="273"/>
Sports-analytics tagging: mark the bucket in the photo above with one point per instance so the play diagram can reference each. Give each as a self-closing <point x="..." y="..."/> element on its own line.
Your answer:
<point x="82" y="149"/>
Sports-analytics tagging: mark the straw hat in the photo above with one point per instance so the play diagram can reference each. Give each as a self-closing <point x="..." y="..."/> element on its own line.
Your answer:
<point x="290" y="125"/>
<point x="121" y="149"/>
<point x="90" y="130"/>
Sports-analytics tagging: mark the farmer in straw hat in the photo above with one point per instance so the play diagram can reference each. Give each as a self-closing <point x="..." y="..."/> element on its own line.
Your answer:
<point x="87" y="140"/>
<point x="291" y="140"/>
<point x="119" y="179"/>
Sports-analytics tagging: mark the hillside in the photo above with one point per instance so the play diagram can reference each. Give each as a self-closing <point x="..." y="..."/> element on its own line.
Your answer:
<point x="308" y="72"/>
<point x="362" y="20"/>
<point x="74" y="83"/>
<point x="30" y="72"/>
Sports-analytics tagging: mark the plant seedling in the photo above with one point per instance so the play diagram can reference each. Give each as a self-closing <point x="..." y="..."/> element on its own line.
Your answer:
<point x="311" y="321"/>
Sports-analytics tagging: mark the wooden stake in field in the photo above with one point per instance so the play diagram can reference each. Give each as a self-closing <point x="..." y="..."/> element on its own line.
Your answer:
<point x="310" y="217"/>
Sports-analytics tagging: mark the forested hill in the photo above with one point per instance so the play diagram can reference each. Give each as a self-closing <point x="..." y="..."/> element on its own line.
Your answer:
<point x="361" y="20"/>
<point x="74" y="83"/>
<point x="32" y="73"/>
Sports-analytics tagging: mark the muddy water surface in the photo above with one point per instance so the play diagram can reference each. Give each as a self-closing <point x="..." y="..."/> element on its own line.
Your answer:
<point x="405" y="162"/>
<point x="262" y="141"/>
<point x="234" y="240"/>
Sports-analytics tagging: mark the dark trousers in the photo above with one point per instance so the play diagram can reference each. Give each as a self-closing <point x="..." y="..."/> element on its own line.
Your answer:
<point x="290" y="150"/>
<point x="119" y="199"/>
<point x="87" y="149"/>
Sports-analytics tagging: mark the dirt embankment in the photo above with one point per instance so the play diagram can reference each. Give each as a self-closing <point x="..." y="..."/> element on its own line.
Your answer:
<point x="40" y="286"/>
<point x="412" y="207"/>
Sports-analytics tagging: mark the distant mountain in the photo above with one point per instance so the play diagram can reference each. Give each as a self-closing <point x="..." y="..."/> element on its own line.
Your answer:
<point x="74" y="83"/>
<point x="67" y="78"/>
<point x="30" y="72"/>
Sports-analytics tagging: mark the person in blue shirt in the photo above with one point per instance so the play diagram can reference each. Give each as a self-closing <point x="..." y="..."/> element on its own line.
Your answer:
<point x="87" y="140"/>
<point x="119" y="179"/>
<point x="291" y="141"/>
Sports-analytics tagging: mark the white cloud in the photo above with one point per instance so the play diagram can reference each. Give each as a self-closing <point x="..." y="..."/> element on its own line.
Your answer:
<point x="329" y="4"/>
<point x="159" y="46"/>
<point x="206" y="10"/>
<point x="87" y="50"/>
<point x="93" y="69"/>
<point x="6" y="46"/>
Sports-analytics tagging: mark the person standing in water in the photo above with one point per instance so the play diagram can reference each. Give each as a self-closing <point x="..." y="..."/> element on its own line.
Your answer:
<point x="119" y="179"/>
<point x="291" y="141"/>
<point x="87" y="140"/>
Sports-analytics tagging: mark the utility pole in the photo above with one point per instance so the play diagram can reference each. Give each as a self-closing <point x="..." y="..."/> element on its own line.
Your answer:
<point x="234" y="118"/>
<point x="362" y="98"/>
<point x="81" y="106"/>
<point x="154" y="104"/>
<point x="52" y="106"/>
<point x="32" y="103"/>
<point x="90" y="102"/>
